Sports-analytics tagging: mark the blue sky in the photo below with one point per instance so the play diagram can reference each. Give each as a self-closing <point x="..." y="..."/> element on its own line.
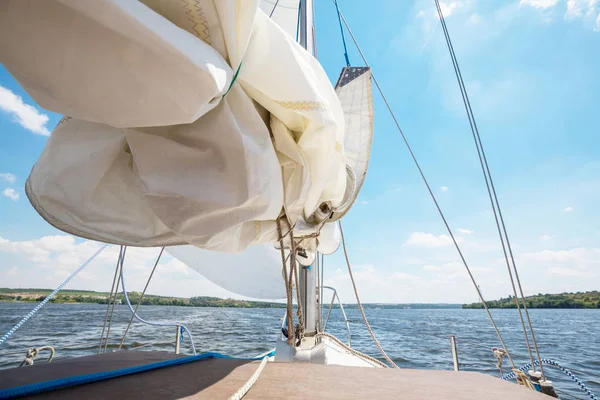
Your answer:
<point x="530" y="67"/>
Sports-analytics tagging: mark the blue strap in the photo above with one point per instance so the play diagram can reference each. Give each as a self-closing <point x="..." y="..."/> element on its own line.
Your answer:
<point x="63" y="383"/>
<point x="337" y="9"/>
<point x="234" y="78"/>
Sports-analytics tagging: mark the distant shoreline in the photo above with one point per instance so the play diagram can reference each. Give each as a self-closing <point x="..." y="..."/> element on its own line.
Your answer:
<point x="90" y="297"/>
<point x="579" y="300"/>
<point x="590" y="300"/>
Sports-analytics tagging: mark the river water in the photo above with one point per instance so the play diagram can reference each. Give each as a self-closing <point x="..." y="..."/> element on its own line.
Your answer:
<point x="414" y="338"/>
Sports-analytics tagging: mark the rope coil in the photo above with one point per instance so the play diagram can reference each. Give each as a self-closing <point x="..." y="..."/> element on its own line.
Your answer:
<point x="556" y="364"/>
<point x="34" y="351"/>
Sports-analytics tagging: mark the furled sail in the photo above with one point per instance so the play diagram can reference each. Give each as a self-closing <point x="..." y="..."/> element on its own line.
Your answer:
<point x="355" y="92"/>
<point x="189" y="122"/>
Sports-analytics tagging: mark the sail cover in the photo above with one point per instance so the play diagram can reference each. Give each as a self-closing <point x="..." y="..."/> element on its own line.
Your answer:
<point x="193" y="121"/>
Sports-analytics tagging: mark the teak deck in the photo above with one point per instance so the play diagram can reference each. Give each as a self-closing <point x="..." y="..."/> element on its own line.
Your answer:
<point x="220" y="378"/>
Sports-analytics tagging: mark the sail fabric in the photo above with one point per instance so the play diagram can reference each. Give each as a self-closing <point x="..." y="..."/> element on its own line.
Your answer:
<point x="254" y="273"/>
<point x="284" y="13"/>
<point x="189" y="122"/>
<point x="355" y="92"/>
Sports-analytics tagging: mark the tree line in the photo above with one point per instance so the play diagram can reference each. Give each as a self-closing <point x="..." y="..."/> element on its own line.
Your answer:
<point x="561" y="300"/>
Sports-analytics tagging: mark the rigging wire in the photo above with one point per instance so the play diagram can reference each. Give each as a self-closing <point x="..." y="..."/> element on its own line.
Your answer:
<point x="337" y="9"/>
<point x="109" y="298"/>
<point x="141" y="297"/>
<point x="274" y="7"/>
<point x="492" y="195"/>
<point x="50" y="296"/>
<point x="114" y="301"/>
<point x="360" y="307"/>
<point x="142" y="320"/>
<point x="414" y="158"/>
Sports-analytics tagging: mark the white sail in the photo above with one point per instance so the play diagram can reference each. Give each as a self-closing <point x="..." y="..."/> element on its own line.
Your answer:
<point x="284" y="13"/>
<point x="255" y="273"/>
<point x="355" y="91"/>
<point x="160" y="150"/>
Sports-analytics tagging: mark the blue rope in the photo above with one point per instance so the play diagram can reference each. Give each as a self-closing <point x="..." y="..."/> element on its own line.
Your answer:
<point x="63" y="383"/>
<point x="50" y="296"/>
<point x="182" y="327"/>
<point x="548" y="361"/>
<point x="337" y="9"/>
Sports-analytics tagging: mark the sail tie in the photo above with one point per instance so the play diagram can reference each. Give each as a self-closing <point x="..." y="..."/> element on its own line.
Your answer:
<point x="234" y="78"/>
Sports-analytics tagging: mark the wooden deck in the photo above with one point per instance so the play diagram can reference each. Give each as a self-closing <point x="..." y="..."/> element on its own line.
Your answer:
<point x="220" y="378"/>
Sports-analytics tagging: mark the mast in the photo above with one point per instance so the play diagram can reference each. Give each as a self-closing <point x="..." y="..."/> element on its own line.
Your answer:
<point x="308" y="277"/>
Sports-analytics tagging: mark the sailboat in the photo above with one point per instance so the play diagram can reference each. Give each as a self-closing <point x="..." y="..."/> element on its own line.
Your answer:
<point x="209" y="128"/>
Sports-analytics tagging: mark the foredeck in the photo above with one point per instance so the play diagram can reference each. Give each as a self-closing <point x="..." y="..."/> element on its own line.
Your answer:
<point x="220" y="378"/>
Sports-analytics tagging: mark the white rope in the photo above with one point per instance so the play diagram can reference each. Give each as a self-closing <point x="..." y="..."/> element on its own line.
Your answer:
<point x="250" y="382"/>
<point x="351" y="350"/>
<point x="360" y="307"/>
<point x="34" y="351"/>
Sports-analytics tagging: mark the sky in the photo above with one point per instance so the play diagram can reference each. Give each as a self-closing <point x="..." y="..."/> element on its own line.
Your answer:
<point x="531" y="70"/>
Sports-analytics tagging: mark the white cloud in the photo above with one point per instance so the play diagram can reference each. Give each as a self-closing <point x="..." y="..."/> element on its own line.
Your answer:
<point x="583" y="10"/>
<point x="579" y="256"/>
<point x="27" y="116"/>
<point x="464" y="231"/>
<point x="568" y="209"/>
<point x="558" y="271"/>
<point x="543" y="4"/>
<point x="420" y="14"/>
<point x="449" y="7"/>
<point x="8" y="177"/>
<point x="547" y="237"/>
<point x="364" y="202"/>
<point x="47" y="261"/>
<point x="574" y="8"/>
<point x="422" y="239"/>
<point x="474" y="19"/>
<point x="444" y="188"/>
<point x="11" y="194"/>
